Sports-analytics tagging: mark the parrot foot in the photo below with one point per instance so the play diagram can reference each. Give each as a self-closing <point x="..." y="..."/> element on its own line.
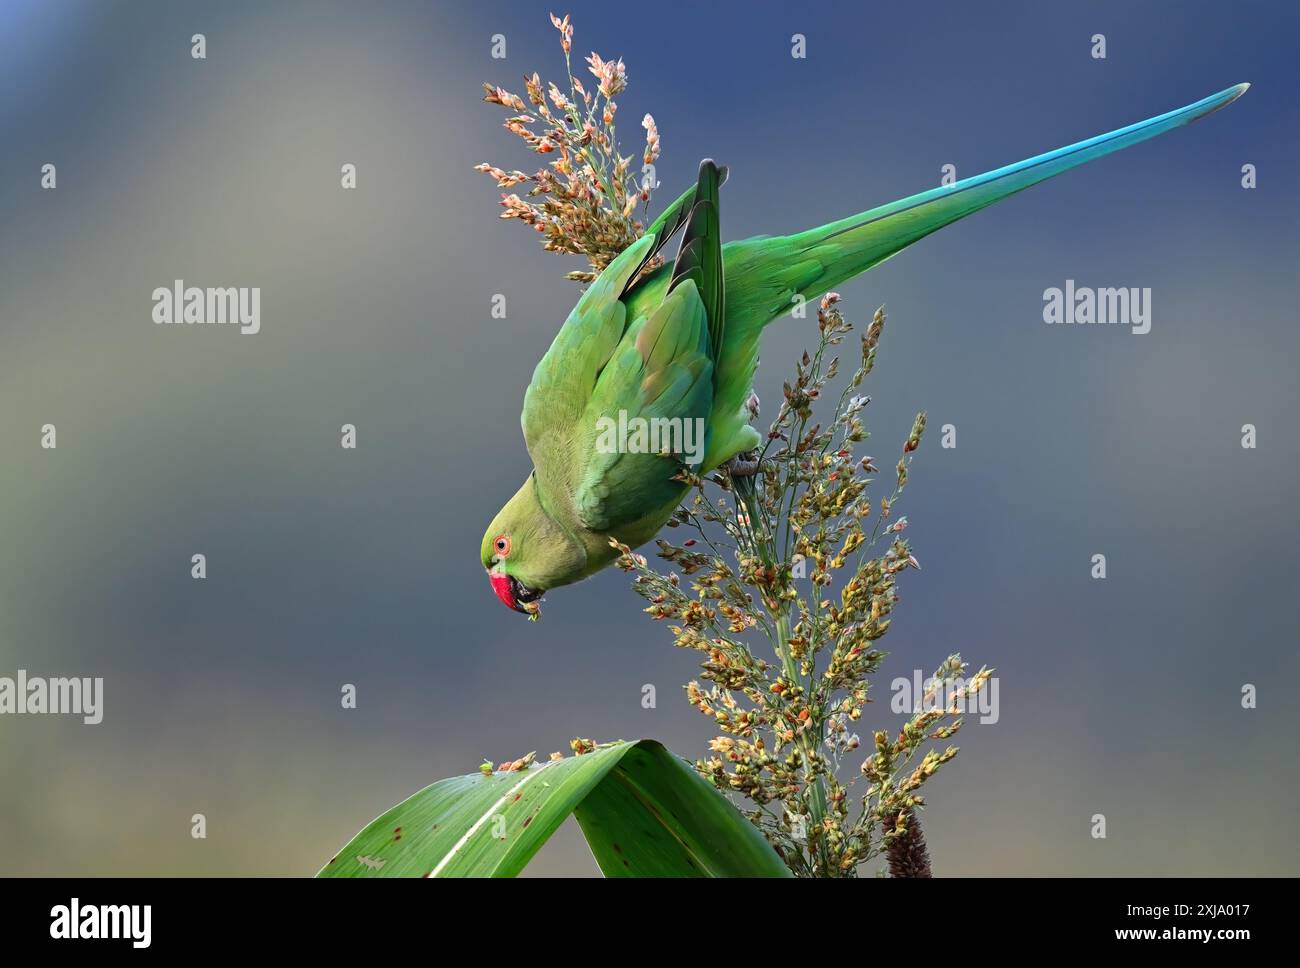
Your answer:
<point x="743" y="465"/>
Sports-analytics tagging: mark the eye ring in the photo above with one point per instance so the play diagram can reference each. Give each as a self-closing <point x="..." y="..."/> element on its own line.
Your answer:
<point x="501" y="544"/>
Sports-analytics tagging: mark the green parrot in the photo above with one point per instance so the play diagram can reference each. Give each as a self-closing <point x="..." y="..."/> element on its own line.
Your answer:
<point x="679" y="345"/>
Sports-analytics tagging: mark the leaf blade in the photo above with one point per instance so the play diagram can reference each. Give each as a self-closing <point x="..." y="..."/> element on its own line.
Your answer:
<point x="629" y="795"/>
<point x="698" y="832"/>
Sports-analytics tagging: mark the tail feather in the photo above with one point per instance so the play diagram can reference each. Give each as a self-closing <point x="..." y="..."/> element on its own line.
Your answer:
<point x="700" y="255"/>
<point x="838" y="251"/>
<point x="673" y="218"/>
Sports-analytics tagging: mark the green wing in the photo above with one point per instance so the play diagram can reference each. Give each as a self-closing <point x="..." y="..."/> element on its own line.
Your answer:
<point x="659" y="382"/>
<point x="661" y="379"/>
<point x="565" y="378"/>
<point x="603" y="372"/>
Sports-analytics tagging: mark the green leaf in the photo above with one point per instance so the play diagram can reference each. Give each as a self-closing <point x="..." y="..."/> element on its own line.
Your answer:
<point x="644" y="812"/>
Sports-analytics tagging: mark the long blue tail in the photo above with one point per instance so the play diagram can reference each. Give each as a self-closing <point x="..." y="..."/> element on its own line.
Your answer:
<point x="833" y="253"/>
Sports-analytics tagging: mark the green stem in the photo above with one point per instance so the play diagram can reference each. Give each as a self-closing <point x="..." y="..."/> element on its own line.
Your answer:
<point x="807" y="740"/>
<point x="764" y="543"/>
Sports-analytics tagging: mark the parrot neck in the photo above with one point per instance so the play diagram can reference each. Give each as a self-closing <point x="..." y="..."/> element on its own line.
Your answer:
<point x="567" y="556"/>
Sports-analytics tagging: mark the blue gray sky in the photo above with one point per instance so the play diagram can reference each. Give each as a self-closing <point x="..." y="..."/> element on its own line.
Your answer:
<point x="326" y="566"/>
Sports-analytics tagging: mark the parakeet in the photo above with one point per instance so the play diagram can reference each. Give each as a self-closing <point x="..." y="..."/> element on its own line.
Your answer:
<point x="682" y="342"/>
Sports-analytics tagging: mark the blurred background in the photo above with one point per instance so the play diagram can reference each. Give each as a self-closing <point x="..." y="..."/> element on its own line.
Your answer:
<point x="328" y="566"/>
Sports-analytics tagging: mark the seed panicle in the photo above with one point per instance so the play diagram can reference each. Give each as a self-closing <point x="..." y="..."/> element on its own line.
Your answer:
<point x="802" y="558"/>
<point x="585" y="199"/>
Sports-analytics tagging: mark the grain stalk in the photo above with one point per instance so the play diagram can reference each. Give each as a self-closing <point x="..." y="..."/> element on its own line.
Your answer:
<point x="778" y="544"/>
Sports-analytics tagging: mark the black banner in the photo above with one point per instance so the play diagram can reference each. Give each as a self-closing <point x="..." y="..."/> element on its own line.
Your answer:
<point x="236" y="916"/>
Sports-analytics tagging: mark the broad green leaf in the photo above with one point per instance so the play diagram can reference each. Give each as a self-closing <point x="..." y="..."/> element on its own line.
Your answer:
<point x="654" y="816"/>
<point x="644" y="812"/>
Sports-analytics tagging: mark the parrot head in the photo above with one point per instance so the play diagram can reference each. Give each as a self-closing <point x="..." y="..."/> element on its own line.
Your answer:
<point x="526" y="553"/>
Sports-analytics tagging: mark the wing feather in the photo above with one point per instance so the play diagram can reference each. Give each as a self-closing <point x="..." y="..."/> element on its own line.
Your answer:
<point x="661" y="370"/>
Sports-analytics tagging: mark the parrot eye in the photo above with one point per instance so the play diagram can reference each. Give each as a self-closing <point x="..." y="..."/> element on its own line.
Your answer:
<point x="502" y="545"/>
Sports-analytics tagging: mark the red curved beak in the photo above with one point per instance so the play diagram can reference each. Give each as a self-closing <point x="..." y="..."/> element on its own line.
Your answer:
<point x="501" y="585"/>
